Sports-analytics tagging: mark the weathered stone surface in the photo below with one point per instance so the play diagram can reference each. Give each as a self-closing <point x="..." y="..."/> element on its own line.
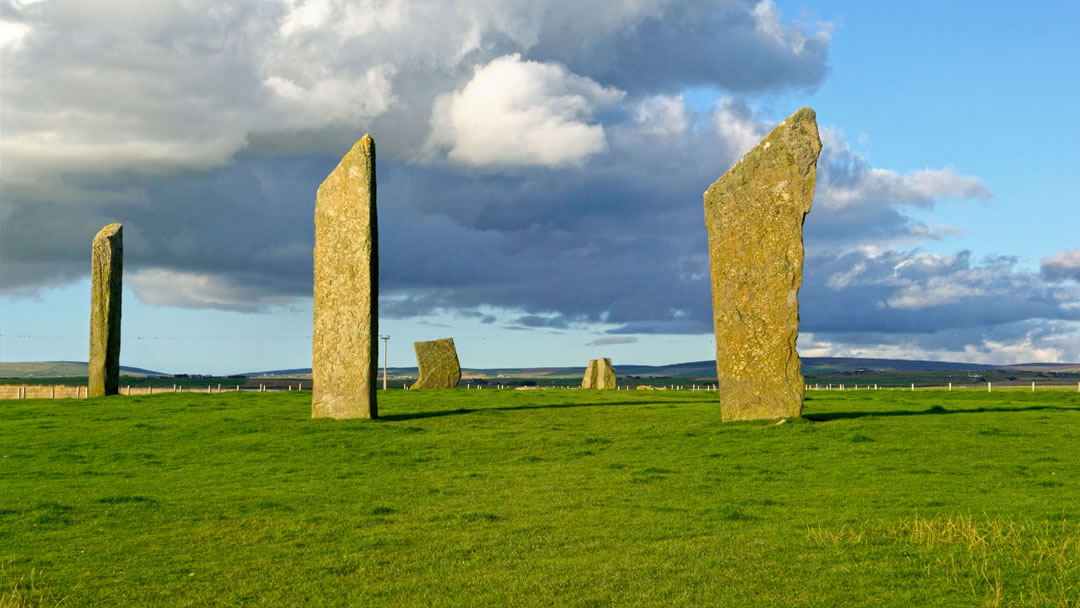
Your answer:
<point x="589" y="381"/>
<point x="754" y="216"/>
<point x="438" y="363"/>
<point x="345" y="349"/>
<point x="599" y="374"/>
<point x="106" y="285"/>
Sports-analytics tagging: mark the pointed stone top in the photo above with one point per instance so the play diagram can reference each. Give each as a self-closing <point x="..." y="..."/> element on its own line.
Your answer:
<point x="110" y="230"/>
<point x="366" y="145"/>
<point x="792" y="148"/>
<point x="803" y="113"/>
<point x="799" y="133"/>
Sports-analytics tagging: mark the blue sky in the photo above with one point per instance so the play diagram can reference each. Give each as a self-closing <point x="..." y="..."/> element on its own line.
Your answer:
<point x="540" y="173"/>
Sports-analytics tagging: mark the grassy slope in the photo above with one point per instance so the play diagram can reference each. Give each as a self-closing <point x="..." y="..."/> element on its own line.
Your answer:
<point x="542" y="498"/>
<point x="53" y="369"/>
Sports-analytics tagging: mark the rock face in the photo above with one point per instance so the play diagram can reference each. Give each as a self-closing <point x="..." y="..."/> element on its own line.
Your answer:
<point x="754" y="215"/>
<point x="345" y="349"/>
<point x="106" y="285"/>
<point x="599" y="374"/>
<point x="438" y="363"/>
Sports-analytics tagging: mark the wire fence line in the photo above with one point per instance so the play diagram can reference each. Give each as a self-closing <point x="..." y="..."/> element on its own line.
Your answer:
<point x="987" y="387"/>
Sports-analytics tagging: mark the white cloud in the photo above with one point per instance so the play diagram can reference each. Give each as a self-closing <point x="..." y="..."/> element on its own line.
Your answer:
<point x="767" y="20"/>
<point x="329" y="99"/>
<point x="164" y="287"/>
<point x="12" y="34"/>
<point x="101" y="86"/>
<point x="515" y="112"/>
<point x="735" y="122"/>
<point x="936" y="291"/>
<point x="846" y="180"/>
<point x="1030" y="347"/>
<point x="663" y="115"/>
<point x="613" y="340"/>
<point x="1062" y="265"/>
<point x="841" y="280"/>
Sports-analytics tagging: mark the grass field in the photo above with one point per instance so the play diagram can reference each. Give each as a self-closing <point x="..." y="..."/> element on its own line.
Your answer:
<point x="541" y="498"/>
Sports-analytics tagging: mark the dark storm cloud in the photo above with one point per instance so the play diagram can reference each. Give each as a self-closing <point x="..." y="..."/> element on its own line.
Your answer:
<point x="680" y="47"/>
<point x="204" y="128"/>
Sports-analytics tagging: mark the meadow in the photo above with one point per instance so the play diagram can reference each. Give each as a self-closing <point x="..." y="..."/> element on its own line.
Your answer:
<point x="541" y="498"/>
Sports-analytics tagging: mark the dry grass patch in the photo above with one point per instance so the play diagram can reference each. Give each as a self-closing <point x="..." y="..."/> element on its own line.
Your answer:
<point x="1002" y="561"/>
<point x="27" y="592"/>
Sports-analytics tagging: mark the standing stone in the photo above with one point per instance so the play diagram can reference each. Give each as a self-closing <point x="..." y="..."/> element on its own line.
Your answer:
<point x="754" y="215"/>
<point x="600" y="375"/>
<point x="438" y="364"/>
<point x="106" y="285"/>
<point x="589" y="381"/>
<point x="345" y="351"/>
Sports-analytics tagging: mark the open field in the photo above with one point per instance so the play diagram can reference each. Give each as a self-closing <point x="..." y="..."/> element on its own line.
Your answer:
<point x="539" y="498"/>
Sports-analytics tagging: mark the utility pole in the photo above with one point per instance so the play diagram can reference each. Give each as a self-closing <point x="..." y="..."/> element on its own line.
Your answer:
<point x="384" y="339"/>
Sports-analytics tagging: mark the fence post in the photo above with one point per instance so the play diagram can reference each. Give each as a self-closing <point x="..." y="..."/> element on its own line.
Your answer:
<point x="1033" y="386"/>
<point x="988" y="389"/>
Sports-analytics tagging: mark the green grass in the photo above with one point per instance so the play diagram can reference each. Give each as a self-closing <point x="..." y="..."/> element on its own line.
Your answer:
<point x="541" y="498"/>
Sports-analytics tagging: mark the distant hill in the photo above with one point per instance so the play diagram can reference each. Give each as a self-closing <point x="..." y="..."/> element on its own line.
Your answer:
<point x="850" y="364"/>
<point x="63" y="369"/>
<point x="707" y="369"/>
<point x="692" y="369"/>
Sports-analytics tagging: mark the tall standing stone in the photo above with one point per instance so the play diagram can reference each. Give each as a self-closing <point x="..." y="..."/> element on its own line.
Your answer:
<point x="754" y="215"/>
<point x="106" y="285"/>
<point x="600" y="374"/>
<point x="345" y="349"/>
<point x="438" y="363"/>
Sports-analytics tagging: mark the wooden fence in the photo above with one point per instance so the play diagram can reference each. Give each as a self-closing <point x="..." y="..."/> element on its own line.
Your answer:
<point x="66" y="391"/>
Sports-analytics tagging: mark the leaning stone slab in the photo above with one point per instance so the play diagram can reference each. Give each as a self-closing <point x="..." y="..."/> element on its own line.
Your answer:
<point x="754" y="216"/>
<point x="438" y="363"/>
<point x="345" y="351"/>
<point x="106" y="286"/>
<point x="599" y="374"/>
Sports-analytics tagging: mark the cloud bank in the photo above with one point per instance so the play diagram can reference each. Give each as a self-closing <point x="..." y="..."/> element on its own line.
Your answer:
<point x="540" y="166"/>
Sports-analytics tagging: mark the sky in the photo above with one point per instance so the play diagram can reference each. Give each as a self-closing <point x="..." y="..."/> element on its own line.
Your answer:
<point x="540" y="169"/>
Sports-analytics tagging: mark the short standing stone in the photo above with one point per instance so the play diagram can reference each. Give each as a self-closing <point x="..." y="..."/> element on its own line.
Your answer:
<point x="345" y="351"/>
<point x="106" y="285"/>
<point x="599" y="374"/>
<point x="438" y="363"/>
<point x="754" y="216"/>
<point x="589" y="381"/>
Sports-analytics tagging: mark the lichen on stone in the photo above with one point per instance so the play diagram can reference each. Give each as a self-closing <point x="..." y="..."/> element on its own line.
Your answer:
<point x="345" y="348"/>
<point x="438" y="363"/>
<point x="754" y="216"/>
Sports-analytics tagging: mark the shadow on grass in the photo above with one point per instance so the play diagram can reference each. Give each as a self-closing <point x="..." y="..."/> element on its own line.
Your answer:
<point x="936" y="410"/>
<point x="551" y="406"/>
